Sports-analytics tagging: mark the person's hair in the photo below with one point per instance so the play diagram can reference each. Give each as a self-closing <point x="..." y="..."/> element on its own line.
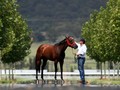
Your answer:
<point x="83" y="40"/>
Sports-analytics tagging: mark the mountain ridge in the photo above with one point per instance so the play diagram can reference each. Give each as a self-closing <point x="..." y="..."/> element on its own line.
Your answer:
<point x="48" y="17"/>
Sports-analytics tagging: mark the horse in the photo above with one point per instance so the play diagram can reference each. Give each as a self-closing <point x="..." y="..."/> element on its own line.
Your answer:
<point x="54" y="53"/>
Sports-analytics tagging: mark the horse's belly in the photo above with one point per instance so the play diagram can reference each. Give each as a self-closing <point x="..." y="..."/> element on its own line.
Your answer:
<point x="51" y="56"/>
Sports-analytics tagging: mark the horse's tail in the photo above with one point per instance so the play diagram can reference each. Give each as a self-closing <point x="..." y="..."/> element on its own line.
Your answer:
<point x="38" y="62"/>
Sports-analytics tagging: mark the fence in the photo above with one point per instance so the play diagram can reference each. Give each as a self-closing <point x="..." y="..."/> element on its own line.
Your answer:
<point x="76" y="72"/>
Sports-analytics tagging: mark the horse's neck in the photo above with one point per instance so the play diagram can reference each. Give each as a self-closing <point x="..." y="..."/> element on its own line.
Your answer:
<point x="63" y="47"/>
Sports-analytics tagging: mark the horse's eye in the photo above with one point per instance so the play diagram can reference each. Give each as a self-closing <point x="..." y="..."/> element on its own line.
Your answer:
<point x="71" y="41"/>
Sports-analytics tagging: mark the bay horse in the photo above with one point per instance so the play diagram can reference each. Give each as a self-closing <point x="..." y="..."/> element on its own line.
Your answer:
<point x="54" y="53"/>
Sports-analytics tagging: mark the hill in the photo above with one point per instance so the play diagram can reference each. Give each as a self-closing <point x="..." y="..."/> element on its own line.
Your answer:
<point x="53" y="19"/>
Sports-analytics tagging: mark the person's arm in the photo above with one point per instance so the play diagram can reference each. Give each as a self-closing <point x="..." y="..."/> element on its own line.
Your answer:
<point x="75" y="52"/>
<point x="77" y="43"/>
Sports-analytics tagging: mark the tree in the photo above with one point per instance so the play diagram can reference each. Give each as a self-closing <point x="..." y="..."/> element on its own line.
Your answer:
<point x="102" y="33"/>
<point x="7" y="35"/>
<point x="15" y="34"/>
<point x="22" y="42"/>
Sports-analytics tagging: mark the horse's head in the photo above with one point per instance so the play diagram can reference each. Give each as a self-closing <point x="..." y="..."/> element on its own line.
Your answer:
<point x="71" y="42"/>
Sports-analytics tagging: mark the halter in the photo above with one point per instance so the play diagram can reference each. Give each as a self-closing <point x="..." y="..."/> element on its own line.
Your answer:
<point x="68" y="42"/>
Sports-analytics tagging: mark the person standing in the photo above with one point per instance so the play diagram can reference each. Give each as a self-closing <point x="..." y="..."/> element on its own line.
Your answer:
<point x="81" y="53"/>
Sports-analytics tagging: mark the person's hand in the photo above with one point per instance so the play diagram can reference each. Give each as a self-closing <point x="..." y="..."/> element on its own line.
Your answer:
<point x="75" y="54"/>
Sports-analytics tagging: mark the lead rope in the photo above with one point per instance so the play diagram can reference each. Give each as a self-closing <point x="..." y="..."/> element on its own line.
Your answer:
<point x="75" y="59"/>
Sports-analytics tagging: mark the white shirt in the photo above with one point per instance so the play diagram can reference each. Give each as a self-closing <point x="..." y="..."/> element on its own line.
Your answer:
<point x="81" y="50"/>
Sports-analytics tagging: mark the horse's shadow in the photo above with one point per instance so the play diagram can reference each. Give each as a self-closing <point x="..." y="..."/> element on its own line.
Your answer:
<point x="54" y="83"/>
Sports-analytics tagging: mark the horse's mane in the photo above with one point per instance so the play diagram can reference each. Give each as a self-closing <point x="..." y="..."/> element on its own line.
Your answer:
<point x="61" y="42"/>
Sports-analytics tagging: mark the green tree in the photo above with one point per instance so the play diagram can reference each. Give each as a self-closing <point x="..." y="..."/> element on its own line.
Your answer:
<point x="102" y="33"/>
<point x="7" y="35"/>
<point x="15" y="38"/>
<point x="22" y="42"/>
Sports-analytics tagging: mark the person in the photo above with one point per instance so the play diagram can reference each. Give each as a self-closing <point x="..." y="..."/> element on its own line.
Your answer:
<point x="81" y="53"/>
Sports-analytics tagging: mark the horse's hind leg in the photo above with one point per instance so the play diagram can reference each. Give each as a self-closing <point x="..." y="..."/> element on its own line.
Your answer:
<point x="55" y="64"/>
<point x="38" y="62"/>
<point x="43" y="66"/>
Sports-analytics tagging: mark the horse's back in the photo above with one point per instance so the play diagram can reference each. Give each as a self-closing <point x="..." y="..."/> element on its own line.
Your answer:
<point x="43" y="46"/>
<point x="47" y="51"/>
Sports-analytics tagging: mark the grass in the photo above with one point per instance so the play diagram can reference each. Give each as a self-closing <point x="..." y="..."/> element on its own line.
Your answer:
<point x="104" y="81"/>
<point x="75" y="81"/>
<point x="69" y="65"/>
<point x="98" y="81"/>
<point x="69" y="62"/>
<point x="17" y="81"/>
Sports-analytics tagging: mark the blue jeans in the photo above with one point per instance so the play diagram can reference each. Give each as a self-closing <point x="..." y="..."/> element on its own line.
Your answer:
<point x="81" y="62"/>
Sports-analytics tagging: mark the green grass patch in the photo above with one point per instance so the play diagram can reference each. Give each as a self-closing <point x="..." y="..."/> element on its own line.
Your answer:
<point x="69" y="81"/>
<point x="17" y="81"/>
<point x="104" y="81"/>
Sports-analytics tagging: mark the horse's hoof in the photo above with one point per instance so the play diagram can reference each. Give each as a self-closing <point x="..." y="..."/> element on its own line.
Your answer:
<point x="37" y="81"/>
<point x="62" y="81"/>
<point x="55" y="81"/>
<point x="43" y="81"/>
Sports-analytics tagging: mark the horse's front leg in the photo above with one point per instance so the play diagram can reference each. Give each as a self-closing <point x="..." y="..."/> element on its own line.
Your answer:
<point x="36" y="75"/>
<point x="61" y="67"/>
<point x="55" y="65"/>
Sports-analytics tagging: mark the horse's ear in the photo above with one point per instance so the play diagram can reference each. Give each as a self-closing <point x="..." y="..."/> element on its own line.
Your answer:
<point x="66" y="36"/>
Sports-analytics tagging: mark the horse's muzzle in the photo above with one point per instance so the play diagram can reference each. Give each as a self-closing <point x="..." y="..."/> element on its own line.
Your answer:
<point x="75" y="46"/>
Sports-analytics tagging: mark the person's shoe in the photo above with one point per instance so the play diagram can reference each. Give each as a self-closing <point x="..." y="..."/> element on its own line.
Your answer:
<point x="80" y="81"/>
<point x="83" y="82"/>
